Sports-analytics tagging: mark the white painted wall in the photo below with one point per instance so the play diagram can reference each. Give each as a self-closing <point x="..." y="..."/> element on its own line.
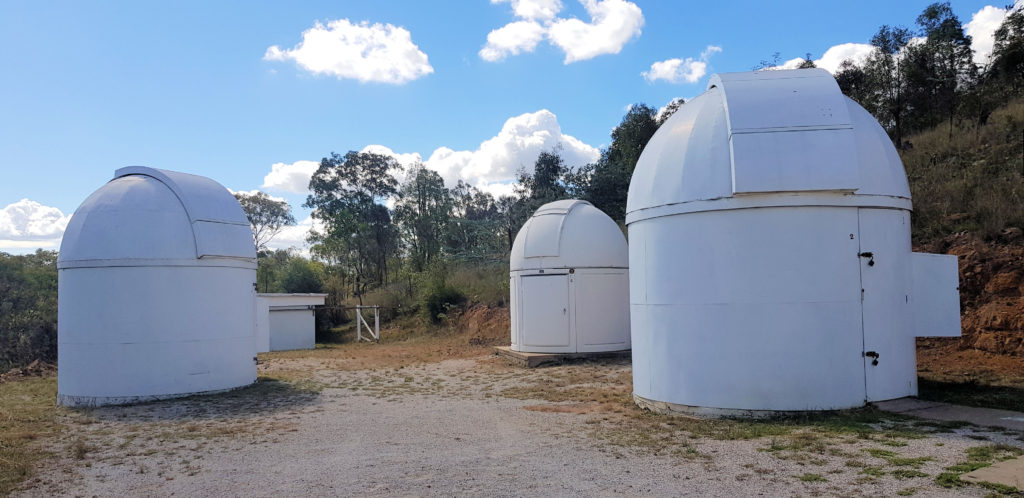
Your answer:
<point x="286" y="321"/>
<point x="292" y="329"/>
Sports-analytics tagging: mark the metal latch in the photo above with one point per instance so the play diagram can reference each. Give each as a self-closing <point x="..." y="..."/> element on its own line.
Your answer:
<point x="873" y="355"/>
<point x="870" y="256"/>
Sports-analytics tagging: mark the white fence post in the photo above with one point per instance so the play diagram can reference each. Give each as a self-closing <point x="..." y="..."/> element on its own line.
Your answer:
<point x="373" y="332"/>
<point x="376" y="323"/>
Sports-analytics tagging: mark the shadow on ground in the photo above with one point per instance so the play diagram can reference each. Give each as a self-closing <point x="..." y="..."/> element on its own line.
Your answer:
<point x="972" y="393"/>
<point x="265" y="397"/>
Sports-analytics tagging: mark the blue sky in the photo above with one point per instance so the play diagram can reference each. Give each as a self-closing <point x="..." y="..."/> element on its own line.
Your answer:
<point x="252" y="93"/>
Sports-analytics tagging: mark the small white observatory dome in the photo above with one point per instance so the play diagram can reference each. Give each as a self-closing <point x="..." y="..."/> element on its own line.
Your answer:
<point x="569" y="282"/>
<point x="769" y="229"/>
<point x="156" y="280"/>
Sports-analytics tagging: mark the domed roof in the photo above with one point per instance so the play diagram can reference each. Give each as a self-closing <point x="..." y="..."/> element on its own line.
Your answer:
<point x="767" y="138"/>
<point x="569" y="234"/>
<point x="147" y="216"/>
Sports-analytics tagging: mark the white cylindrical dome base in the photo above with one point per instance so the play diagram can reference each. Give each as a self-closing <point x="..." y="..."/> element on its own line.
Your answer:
<point x="763" y="309"/>
<point x="153" y="333"/>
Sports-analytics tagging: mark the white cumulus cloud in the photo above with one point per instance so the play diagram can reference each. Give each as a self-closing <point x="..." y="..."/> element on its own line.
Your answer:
<point x="290" y="177"/>
<point x="493" y="165"/>
<point x="255" y="191"/>
<point x="678" y="70"/>
<point x="512" y="39"/>
<point x="294" y="236"/>
<point x="613" y="23"/>
<point x="835" y="55"/>
<point x="27" y="224"/>
<point x="366" y="52"/>
<point x="982" y="28"/>
<point x="541" y="10"/>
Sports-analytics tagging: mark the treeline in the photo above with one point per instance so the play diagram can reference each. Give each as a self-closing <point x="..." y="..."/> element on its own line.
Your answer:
<point x="919" y="78"/>
<point x="958" y="125"/>
<point x="374" y="232"/>
<point x="28" y="308"/>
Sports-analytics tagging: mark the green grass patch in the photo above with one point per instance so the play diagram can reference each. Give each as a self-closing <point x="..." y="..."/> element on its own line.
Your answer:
<point x="808" y="477"/>
<point x="873" y="471"/>
<point x="908" y="473"/>
<point x="979" y="457"/>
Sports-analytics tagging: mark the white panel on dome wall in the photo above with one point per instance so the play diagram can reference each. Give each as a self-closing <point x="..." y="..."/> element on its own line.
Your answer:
<point x="793" y="288"/>
<point x="602" y="311"/>
<point x="935" y="280"/>
<point x="569" y="282"/>
<point x="791" y="161"/>
<point x="141" y="316"/>
<point x="545" y="324"/>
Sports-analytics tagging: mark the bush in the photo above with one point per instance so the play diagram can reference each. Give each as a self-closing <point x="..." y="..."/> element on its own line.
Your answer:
<point x="438" y="299"/>
<point x="28" y="308"/>
<point x="300" y="277"/>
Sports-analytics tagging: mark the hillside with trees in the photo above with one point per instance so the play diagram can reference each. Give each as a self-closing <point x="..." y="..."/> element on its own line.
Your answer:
<point x="424" y="249"/>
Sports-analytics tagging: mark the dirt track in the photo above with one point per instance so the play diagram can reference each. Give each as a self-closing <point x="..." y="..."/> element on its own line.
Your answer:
<point x="469" y="427"/>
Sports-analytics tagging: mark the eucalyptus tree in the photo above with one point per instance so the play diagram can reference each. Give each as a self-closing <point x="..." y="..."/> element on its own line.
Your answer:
<point x="423" y="211"/>
<point x="346" y="195"/>
<point x="267" y="216"/>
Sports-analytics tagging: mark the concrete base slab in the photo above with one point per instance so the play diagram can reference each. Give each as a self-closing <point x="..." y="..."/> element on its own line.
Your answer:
<point x="1008" y="473"/>
<point x="986" y="417"/>
<point x="533" y="360"/>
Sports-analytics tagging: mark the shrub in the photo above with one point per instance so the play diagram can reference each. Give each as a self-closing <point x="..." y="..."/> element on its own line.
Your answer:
<point x="438" y="299"/>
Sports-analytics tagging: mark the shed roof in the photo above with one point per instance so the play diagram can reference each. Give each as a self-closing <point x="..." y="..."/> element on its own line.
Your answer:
<point x="787" y="137"/>
<point x="569" y="234"/>
<point x="148" y="216"/>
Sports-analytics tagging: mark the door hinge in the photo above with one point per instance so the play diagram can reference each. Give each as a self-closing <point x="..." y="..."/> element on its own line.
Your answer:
<point x="870" y="256"/>
<point x="873" y="355"/>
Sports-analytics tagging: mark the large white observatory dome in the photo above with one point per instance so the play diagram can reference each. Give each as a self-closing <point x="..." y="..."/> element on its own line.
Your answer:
<point x="569" y="281"/>
<point x="771" y="268"/>
<point x="156" y="274"/>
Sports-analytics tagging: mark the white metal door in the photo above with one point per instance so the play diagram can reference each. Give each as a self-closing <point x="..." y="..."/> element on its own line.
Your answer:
<point x="889" y="347"/>
<point x="544" y="322"/>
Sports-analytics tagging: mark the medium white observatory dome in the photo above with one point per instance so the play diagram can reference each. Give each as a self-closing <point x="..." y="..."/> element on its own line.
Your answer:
<point x="771" y="269"/>
<point x="569" y="281"/>
<point x="569" y="234"/>
<point x="156" y="273"/>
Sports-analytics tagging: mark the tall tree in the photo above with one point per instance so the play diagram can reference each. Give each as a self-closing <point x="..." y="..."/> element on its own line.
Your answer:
<point x="475" y="230"/>
<point x="940" y="70"/>
<point x="346" y="194"/>
<point x="807" y="63"/>
<point x="854" y="82"/>
<point x="1007" y="63"/>
<point x="668" y="111"/>
<point x="423" y="211"/>
<point x="608" y="179"/>
<point x="267" y="216"/>
<point x="885" y="71"/>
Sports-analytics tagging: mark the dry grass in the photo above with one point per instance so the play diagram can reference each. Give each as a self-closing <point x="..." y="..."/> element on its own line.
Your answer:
<point x="28" y="415"/>
<point x="971" y="182"/>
